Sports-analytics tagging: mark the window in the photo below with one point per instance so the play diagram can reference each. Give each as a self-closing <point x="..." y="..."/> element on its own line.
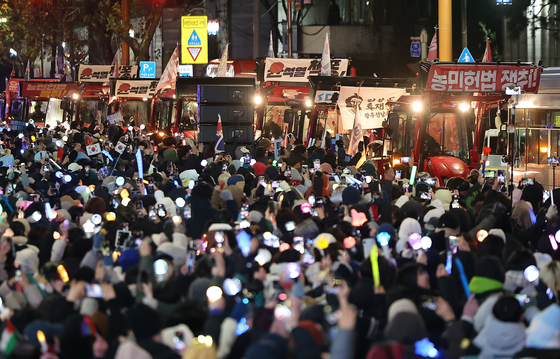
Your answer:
<point x="449" y="131"/>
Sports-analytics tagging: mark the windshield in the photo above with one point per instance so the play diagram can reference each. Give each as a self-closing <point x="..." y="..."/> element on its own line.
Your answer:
<point x="447" y="134"/>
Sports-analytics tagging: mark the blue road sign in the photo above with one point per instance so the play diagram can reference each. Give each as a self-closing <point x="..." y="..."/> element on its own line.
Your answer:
<point x="466" y="56"/>
<point x="415" y="49"/>
<point x="147" y="69"/>
<point x="194" y="40"/>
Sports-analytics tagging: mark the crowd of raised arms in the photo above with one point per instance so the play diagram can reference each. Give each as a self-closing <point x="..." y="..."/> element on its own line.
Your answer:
<point x="119" y="243"/>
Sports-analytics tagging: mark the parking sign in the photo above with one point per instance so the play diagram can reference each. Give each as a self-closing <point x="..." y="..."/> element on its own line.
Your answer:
<point x="147" y="69"/>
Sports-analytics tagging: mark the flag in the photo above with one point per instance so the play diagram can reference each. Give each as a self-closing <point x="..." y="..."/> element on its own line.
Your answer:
<point x="169" y="75"/>
<point x="222" y="67"/>
<point x="271" y="47"/>
<point x="93" y="149"/>
<point x="9" y="339"/>
<point x="432" y="52"/>
<point x="115" y="63"/>
<point x="27" y="74"/>
<point x="286" y="140"/>
<point x="219" y="136"/>
<point x="487" y="53"/>
<point x="326" y="58"/>
<point x="356" y="136"/>
<point x="120" y="147"/>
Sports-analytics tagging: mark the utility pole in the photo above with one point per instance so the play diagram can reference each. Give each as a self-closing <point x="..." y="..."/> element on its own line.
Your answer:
<point x="256" y="28"/>
<point x="125" y="9"/>
<point x="464" y="22"/>
<point x="289" y="15"/>
<point x="445" y="31"/>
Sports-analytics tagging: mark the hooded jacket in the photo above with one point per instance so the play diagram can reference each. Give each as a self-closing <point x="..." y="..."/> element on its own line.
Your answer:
<point x="500" y="339"/>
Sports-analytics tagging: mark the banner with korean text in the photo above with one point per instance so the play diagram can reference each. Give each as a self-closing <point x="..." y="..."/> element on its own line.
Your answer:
<point x="102" y="73"/>
<point x="482" y="78"/>
<point x="47" y="90"/>
<point x="136" y="88"/>
<point x="298" y="70"/>
<point x="370" y="102"/>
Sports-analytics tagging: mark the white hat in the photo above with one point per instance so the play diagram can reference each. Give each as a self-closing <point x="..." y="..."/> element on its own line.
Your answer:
<point x="74" y="167"/>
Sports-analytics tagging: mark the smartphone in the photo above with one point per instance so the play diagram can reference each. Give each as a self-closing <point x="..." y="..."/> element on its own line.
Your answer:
<point x="187" y="211"/>
<point x="160" y="267"/>
<point x="20" y="213"/>
<point x="139" y="207"/>
<point x="9" y="188"/>
<point x="319" y="202"/>
<point x="288" y="173"/>
<point x="431" y="181"/>
<point x="94" y="290"/>
<point x="455" y="203"/>
<point x="304" y="169"/>
<point x="397" y="175"/>
<point x="501" y="179"/>
<point x="152" y="213"/>
<point x="244" y="213"/>
<point x="122" y="238"/>
<point x="425" y="195"/>
<point x="178" y="341"/>
<point x="219" y="238"/>
<point x="272" y="207"/>
<point x="308" y="256"/>
<point x="453" y="244"/>
<point x="17" y="272"/>
<point x="311" y="200"/>
<point x="138" y="238"/>
<point x="161" y="212"/>
<point x="316" y="164"/>
<point x="46" y="168"/>
<point x="546" y="196"/>
<point x="191" y="258"/>
<point x="262" y="180"/>
<point x="275" y="184"/>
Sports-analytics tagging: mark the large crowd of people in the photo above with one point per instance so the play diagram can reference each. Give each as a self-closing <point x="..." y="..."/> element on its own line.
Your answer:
<point x="119" y="243"/>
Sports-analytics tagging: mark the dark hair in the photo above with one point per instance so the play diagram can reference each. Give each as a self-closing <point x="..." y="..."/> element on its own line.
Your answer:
<point x="18" y="228"/>
<point x="260" y="152"/>
<point x="507" y="309"/>
<point x="203" y="190"/>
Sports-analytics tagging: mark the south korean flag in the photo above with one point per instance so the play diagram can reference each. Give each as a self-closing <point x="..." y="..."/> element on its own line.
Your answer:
<point x="93" y="149"/>
<point x="120" y="147"/>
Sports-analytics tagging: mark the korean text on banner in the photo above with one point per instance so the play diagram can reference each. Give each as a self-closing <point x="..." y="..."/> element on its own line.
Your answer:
<point x="371" y="105"/>
<point x="102" y="73"/>
<point x="482" y="78"/>
<point x="298" y="70"/>
<point x="136" y="88"/>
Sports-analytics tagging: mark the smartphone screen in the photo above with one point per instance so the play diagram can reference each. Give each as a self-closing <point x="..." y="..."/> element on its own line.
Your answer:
<point x="317" y="164"/>
<point x="161" y="212"/>
<point x="94" y="290"/>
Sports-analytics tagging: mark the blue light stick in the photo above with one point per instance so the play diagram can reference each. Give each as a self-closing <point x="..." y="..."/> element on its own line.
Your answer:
<point x="464" y="281"/>
<point x="140" y="164"/>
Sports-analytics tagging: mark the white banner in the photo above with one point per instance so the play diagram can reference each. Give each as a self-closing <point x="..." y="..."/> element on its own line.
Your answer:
<point x="102" y="73"/>
<point x="136" y="88"/>
<point x="371" y="103"/>
<point x="298" y="70"/>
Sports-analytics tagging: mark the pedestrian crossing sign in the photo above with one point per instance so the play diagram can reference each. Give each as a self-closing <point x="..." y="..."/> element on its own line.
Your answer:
<point x="466" y="56"/>
<point x="194" y="40"/>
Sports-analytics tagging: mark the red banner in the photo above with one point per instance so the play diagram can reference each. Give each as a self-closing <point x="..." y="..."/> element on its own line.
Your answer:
<point x="482" y="78"/>
<point x="46" y="90"/>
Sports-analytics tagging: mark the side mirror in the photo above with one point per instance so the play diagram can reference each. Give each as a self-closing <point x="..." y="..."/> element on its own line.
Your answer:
<point x="288" y="116"/>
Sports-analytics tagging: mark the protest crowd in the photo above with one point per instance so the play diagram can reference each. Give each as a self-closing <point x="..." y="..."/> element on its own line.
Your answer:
<point x="119" y="243"/>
